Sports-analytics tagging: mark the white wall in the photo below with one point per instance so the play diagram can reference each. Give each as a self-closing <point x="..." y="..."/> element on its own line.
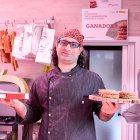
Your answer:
<point x="66" y="13"/>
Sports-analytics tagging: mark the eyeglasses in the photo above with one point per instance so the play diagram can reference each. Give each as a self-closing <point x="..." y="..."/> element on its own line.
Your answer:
<point x="65" y="43"/>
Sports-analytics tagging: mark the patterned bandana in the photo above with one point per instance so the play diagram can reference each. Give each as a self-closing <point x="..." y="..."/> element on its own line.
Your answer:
<point x="73" y="33"/>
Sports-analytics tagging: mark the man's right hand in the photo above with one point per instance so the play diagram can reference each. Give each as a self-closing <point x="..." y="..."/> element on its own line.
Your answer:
<point x="9" y="102"/>
<point x="19" y="106"/>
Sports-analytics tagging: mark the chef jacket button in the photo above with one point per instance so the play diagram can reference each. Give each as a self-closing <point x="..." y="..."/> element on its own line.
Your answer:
<point x="50" y="98"/>
<point x="50" y="114"/>
<point x="49" y="132"/>
<point x="83" y="102"/>
<point x="69" y="75"/>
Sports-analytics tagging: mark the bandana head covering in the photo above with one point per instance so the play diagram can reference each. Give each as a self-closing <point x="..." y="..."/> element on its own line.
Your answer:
<point x="73" y="33"/>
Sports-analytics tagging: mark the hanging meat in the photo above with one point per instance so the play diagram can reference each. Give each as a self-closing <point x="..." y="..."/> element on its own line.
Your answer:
<point x="6" y="45"/>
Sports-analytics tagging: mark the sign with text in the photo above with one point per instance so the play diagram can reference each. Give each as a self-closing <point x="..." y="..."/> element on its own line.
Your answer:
<point x="105" y="4"/>
<point x="45" y="46"/>
<point x="105" y="24"/>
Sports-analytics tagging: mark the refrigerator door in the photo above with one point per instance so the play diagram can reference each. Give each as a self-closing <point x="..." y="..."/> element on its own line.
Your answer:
<point x="108" y="64"/>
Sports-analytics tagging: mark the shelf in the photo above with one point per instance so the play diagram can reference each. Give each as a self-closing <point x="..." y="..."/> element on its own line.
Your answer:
<point x="107" y="43"/>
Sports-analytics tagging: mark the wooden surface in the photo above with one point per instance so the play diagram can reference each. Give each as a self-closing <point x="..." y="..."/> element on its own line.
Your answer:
<point x="119" y="100"/>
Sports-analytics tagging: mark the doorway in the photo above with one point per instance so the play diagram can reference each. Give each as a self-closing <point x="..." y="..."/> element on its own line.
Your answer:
<point x="107" y="62"/>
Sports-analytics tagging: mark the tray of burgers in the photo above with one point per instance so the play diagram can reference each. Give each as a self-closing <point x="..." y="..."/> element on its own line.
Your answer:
<point x="107" y="95"/>
<point x="13" y="95"/>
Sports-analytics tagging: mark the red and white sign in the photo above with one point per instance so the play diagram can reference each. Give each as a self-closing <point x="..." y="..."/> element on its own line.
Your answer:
<point x="105" y="24"/>
<point x="105" y="4"/>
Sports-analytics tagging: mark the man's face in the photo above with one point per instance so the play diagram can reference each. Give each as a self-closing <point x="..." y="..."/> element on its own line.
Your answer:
<point x="68" y="50"/>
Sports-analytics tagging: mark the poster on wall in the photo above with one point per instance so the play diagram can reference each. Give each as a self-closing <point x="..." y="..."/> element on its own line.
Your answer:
<point x="105" y="4"/>
<point x="45" y="46"/>
<point x="105" y="24"/>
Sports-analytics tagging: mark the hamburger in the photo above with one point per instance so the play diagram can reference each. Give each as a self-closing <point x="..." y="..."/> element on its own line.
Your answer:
<point x="127" y="95"/>
<point x="105" y="93"/>
<point x="122" y="30"/>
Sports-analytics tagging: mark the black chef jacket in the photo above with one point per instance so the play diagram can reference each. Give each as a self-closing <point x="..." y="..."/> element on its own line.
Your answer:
<point x="57" y="99"/>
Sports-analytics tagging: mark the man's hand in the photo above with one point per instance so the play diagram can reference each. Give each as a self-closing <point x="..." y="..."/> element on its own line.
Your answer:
<point x="109" y="107"/>
<point x="9" y="102"/>
<point x="107" y="111"/>
<point x="19" y="107"/>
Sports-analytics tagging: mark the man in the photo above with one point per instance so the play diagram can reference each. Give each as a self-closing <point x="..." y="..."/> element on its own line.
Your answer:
<point x="57" y="98"/>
